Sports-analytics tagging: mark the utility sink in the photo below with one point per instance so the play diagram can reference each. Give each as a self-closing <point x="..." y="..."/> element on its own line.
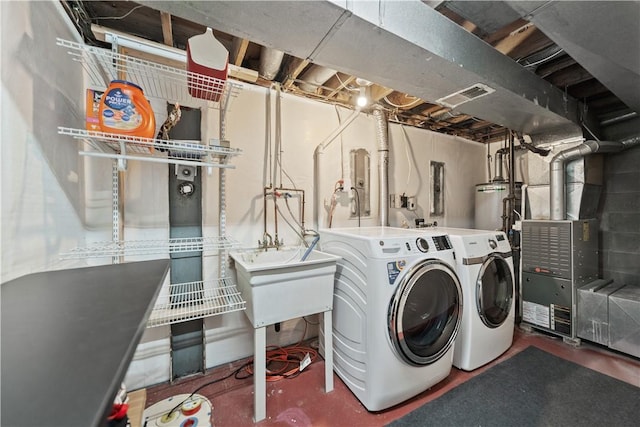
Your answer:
<point x="277" y="285"/>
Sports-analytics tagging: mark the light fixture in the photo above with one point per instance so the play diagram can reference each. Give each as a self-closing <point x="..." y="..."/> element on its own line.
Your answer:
<point x="362" y="97"/>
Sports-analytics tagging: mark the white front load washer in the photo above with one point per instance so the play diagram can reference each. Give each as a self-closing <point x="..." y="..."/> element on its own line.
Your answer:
<point x="485" y="268"/>
<point x="396" y="312"/>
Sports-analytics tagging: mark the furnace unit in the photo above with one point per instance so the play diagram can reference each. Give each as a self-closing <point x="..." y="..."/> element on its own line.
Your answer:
<point x="557" y="258"/>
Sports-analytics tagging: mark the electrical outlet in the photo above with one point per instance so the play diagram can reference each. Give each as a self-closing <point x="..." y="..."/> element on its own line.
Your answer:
<point x="412" y="203"/>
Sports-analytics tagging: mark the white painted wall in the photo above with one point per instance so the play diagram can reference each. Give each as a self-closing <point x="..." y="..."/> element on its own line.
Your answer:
<point x="54" y="200"/>
<point x="42" y="175"/>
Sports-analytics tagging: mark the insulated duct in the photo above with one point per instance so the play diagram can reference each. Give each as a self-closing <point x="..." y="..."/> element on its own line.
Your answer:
<point x="557" y="171"/>
<point x="270" y="62"/>
<point x="315" y="77"/>
<point x="382" y="136"/>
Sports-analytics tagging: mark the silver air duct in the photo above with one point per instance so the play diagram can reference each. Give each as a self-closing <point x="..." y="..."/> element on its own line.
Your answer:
<point x="270" y="62"/>
<point x="382" y="135"/>
<point x="557" y="171"/>
<point x="315" y="77"/>
<point x="631" y="142"/>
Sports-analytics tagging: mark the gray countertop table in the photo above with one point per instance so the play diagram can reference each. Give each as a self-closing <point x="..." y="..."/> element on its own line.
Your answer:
<point x="67" y="339"/>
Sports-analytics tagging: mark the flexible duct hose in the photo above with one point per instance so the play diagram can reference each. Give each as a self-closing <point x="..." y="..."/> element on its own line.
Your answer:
<point x="382" y="136"/>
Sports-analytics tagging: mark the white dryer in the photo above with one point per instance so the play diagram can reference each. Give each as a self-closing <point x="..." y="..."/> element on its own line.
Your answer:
<point x="485" y="267"/>
<point x="396" y="312"/>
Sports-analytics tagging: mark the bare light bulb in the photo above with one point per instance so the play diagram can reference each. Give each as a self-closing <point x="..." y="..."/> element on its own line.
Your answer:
<point x="362" y="98"/>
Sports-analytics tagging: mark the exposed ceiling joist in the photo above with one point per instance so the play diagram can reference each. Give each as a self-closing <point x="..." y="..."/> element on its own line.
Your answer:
<point x="238" y="51"/>
<point x="167" y="28"/>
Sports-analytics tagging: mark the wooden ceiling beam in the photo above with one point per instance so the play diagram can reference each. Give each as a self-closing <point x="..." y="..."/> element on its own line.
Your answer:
<point x="545" y="70"/>
<point x="338" y="84"/>
<point x="536" y="42"/>
<point x="167" y="28"/>
<point x="377" y="92"/>
<point x="515" y="39"/>
<point x="588" y="89"/>
<point x="294" y="68"/>
<point x="505" y="31"/>
<point x="569" y="76"/>
<point x="238" y="50"/>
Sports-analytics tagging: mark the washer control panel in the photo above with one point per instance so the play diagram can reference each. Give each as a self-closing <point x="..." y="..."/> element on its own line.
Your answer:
<point x="422" y="244"/>
<point x="419" y="244"/>
<point x="442" y="242"/>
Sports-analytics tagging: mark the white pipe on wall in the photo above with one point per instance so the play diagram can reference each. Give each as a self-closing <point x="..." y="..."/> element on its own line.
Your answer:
<point x="318" y="177"/>
<point x="382" y="136"/>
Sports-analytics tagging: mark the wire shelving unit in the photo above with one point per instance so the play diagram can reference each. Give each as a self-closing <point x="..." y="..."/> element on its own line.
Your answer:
<point x="177" y="302"/>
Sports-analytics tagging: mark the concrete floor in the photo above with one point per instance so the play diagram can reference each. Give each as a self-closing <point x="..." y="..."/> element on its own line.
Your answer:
<point x="301" y="401"/>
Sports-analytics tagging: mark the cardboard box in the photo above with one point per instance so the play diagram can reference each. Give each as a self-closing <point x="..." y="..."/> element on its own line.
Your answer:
<point x="92" y="110"/>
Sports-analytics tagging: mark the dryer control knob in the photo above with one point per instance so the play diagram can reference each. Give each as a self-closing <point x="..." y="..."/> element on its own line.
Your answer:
<point x="493" y="244"/>
<point x="422" y="244"/>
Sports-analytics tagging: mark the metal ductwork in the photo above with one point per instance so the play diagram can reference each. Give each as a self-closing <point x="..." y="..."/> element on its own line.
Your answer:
<point x="382" y="136"/>
<point x="611" y="56"/>
<point x="315" y="77"/>
<point x="430" y="65"/>
<point x="270" y="62"/>
<point x="557" y="171"/>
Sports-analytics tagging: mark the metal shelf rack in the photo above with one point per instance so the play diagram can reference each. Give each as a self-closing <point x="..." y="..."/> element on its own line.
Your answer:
<point x="151" y="247"/>
<point x="179" y="302"/>
<point x="124" y="148"/>
<point x="157" y="80"/>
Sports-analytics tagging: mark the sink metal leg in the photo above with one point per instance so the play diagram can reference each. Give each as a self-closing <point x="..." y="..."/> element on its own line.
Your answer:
<point x="259" y="374"/>
<point x="328" y="351"/>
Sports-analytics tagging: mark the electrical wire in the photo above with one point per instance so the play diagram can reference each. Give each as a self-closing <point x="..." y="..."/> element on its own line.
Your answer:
<point x="232" y="374"/>
<point x="341" y="145"/>
<point x="357" y="203"/>
<point x="289" y="224"/>
<point x="97" y="18"/>
<point x="288" y="356"/>
<point x="406" y="150"/>
<point x="332" y="205"/>
<point x="345" y="85"/>
<point x="410" y="104"/>
<point x="540" y="61"/>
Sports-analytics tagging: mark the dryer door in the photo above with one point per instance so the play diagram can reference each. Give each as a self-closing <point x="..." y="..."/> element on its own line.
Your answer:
<point x="494" y="291"/>
<point x="425" y="312"/>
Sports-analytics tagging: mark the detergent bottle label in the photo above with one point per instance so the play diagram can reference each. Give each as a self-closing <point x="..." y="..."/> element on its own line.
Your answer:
<point x="125" y="110"/>
<point x="120" y="112"/>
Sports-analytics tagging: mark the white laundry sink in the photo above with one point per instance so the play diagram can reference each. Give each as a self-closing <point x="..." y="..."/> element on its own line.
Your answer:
<point x="278" y="286"/>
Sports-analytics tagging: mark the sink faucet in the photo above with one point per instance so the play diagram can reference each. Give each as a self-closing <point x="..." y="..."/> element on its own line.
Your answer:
<point x="268" y="242"/>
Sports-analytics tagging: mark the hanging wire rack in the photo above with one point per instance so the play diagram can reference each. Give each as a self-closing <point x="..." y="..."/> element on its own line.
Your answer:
<point x="157" y="80"/>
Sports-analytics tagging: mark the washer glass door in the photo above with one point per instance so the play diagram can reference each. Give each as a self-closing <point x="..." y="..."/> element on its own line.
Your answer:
<point x="425" y="312"/>
<point x="494" y="290"/>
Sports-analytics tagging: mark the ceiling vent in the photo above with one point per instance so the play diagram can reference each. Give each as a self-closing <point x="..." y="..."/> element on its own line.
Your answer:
<point x="465" y="95"/>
